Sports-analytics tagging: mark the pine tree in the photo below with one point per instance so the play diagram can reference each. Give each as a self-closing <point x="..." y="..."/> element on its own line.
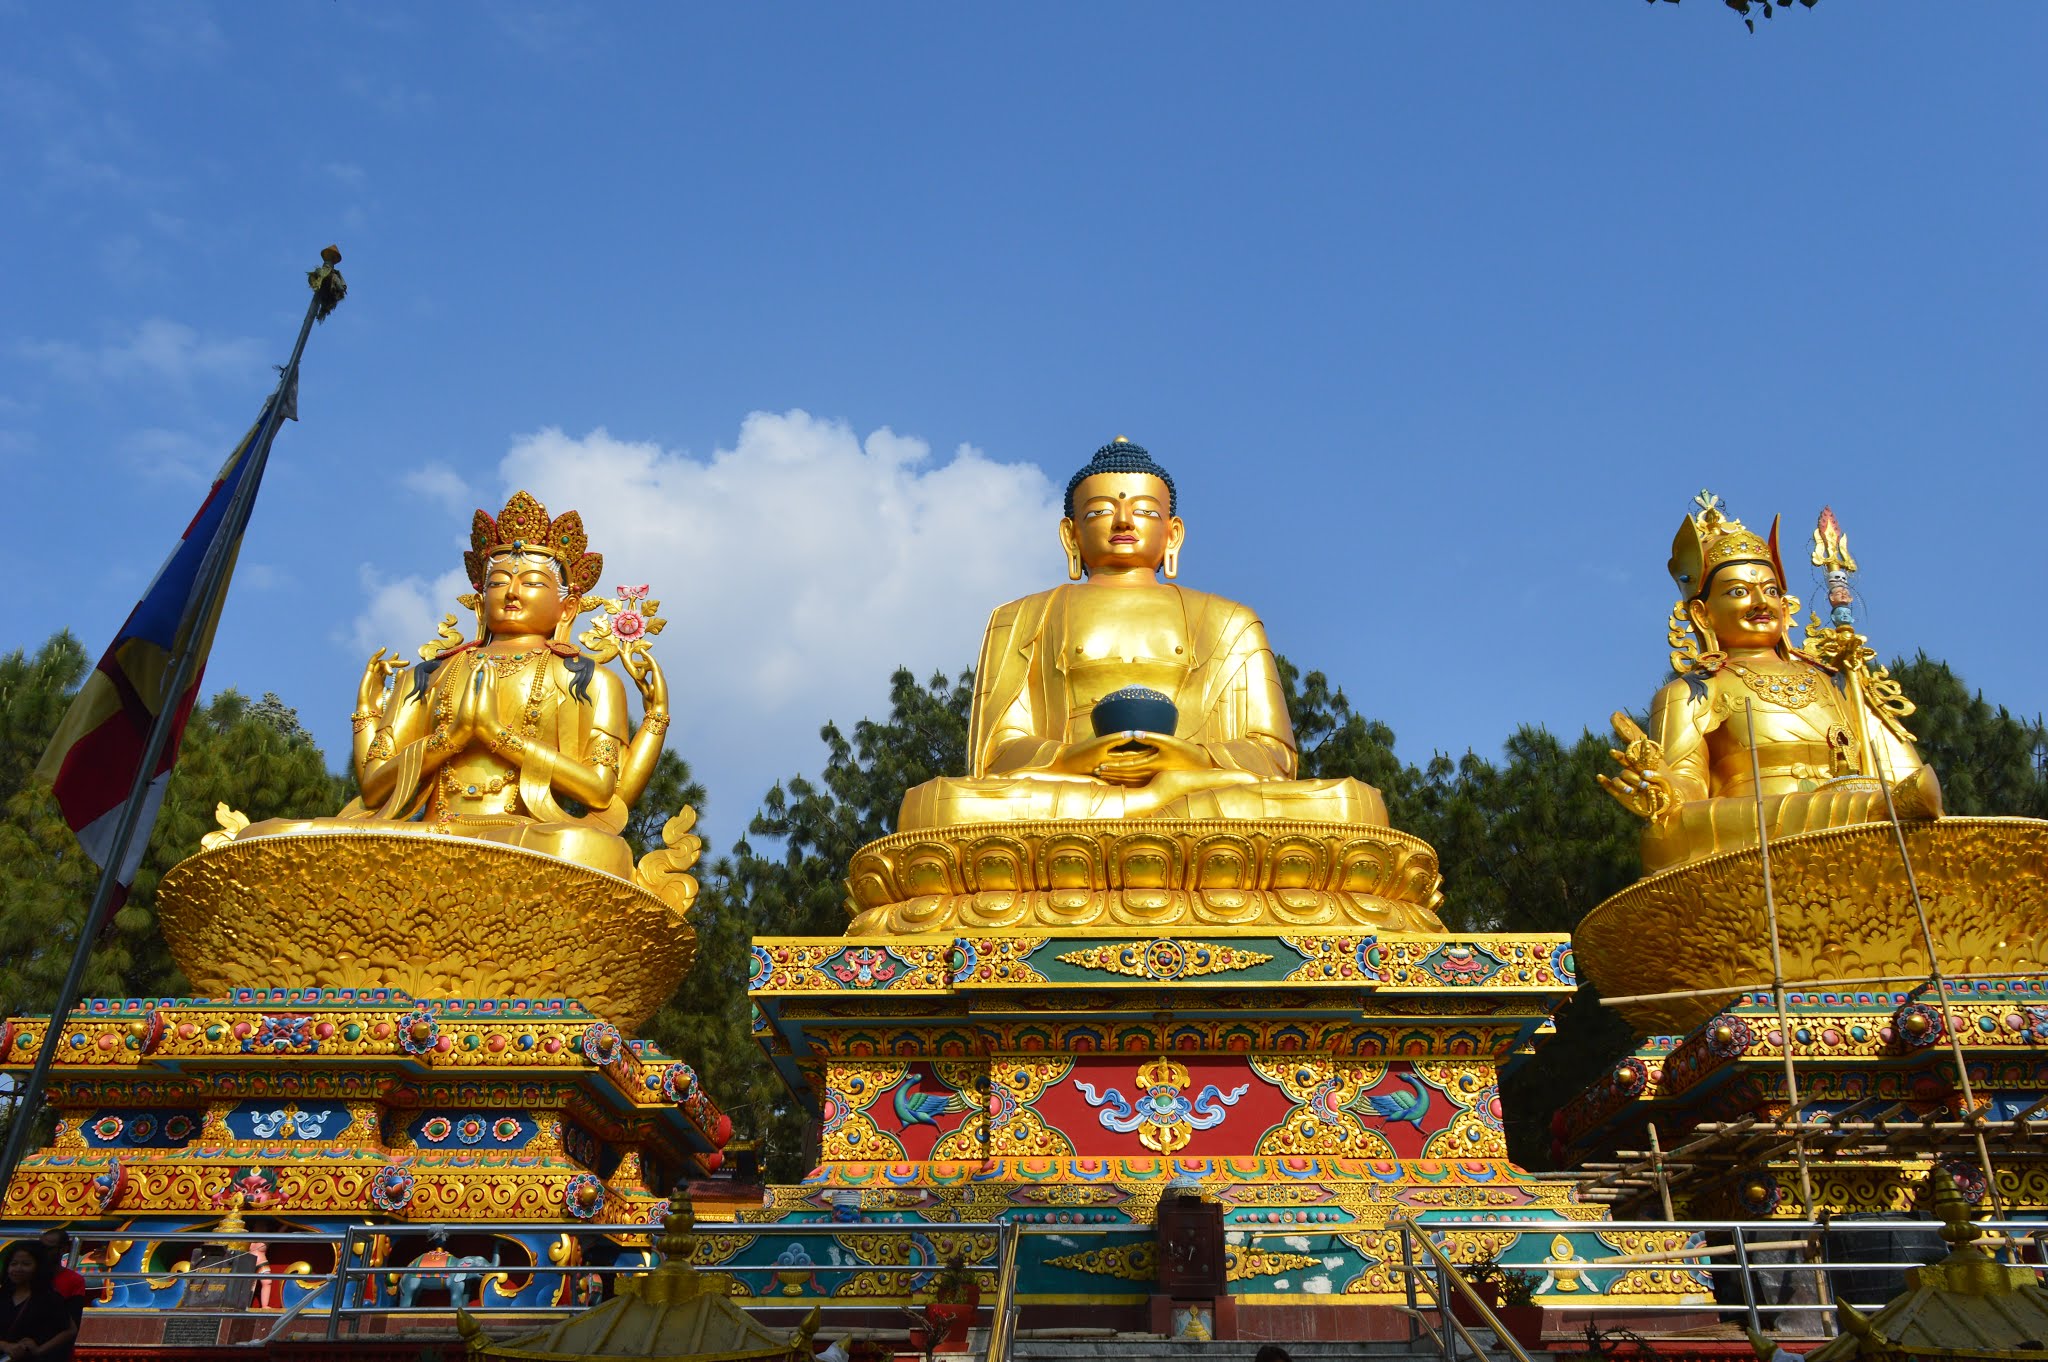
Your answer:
<point x="1989" y="760"/>
<point x="231" y="754"/>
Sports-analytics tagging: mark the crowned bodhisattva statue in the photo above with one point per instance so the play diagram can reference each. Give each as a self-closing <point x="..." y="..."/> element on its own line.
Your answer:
<point x="483" y="857"/>
<point x="501" y="736"/>
<point x="1130" y="761"/>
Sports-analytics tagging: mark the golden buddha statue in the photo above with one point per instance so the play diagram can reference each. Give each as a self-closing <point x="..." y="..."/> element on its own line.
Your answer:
<point x="483" y="857"/>
<point x="1048" y="659"/>
<point x="1130" y="761"/>
<point x="1809" y="731"/>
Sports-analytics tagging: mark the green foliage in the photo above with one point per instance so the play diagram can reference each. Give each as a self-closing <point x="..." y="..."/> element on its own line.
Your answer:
<point x="1527" y="844"/>
<point x="705" y="1023"/>
<point x="246" y="756"/>
<point x="793" y="885"/>
<point x="819" y="825"/>
<point x="1336" y="741"/>
<point x="1989" y="761"/>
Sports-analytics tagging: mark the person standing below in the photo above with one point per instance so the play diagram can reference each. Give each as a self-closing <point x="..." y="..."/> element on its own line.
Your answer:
<point x="35" y="1322"/>
<point x="64" y="1280"/>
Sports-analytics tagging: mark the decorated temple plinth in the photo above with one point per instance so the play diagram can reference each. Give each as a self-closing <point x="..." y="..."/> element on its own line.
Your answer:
<point x="312" y="1108"/>
<point x="1838" y="986"/>
<point x="1318" y="1078"/>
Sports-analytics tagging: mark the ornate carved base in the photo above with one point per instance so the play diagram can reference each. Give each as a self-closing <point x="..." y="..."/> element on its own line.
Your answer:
<point x="330" y="1107"/>
<point x="1844" y="912"/>
<point x="1155" y="875"/>
<point x="434" y="916"/>
<point x="1877" y="1061"/>
<point x="1325" y="1082"/>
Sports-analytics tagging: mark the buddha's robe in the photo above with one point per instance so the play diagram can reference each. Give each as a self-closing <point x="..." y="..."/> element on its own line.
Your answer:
<point x="1048" y="658"/>
<point x="1820" y="747"/>
<point x="479" y="793"/>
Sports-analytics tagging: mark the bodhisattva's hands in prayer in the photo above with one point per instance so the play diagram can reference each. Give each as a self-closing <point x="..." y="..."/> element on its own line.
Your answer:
<point x="1151" y="754"/>
<point x="482" y="714"/>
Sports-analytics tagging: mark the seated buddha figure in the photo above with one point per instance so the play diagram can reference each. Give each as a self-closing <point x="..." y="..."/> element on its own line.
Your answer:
<point x="516" y="736"/>
<point x="1811" y="732"/>
<point x="1118" y="631"/>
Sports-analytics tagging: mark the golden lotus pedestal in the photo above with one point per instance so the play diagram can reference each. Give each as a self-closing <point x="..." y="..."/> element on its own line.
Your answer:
<point x="1868" y="1037"/>
<point x="1844" y="909"/>
<point x="1146" y="875"/>
<point x="438" y="917"/>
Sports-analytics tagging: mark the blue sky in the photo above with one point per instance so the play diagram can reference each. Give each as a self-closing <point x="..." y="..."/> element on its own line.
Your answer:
<point x="1440" y="314"/>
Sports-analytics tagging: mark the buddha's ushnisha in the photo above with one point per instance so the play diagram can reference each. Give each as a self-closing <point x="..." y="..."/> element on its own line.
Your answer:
<point x="1046" y="660"/>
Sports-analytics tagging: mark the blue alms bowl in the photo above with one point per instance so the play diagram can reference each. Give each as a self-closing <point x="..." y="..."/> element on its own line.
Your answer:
<point x="1134" y="709"/>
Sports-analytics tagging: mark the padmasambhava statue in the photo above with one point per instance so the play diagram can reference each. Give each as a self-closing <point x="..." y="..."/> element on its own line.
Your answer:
<point x="1750" y="715"/>
<point x="1793" y="831"/>
<point x="513" y="739"/>
<point x="1130" y="760"/>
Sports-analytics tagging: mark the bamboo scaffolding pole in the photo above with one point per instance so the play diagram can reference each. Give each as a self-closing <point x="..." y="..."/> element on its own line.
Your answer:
<point x="1763" y="846"/>
<point x="1884" y="782"/>
<point x="1663" y="1181"/>
<point x="1685" y="1255"/>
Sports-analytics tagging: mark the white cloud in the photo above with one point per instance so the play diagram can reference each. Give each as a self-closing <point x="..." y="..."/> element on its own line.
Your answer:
<point x="439" y="483"/>
<point x="797" y="568"/>
<point x="405" y="612"/>
<point x="166" y="351"/>
<point x="822" y="558"/>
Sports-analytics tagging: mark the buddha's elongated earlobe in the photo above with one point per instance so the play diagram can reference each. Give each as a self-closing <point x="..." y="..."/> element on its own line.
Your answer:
<point x="1172" y="564"/>
<point x="1176" y="535"/>
<point x="1070" y="540"/>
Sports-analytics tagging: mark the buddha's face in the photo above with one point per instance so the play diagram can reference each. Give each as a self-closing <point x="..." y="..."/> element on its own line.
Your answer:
<point x="1744" y="606"/>
<point x="522" y="595"/>
<point x="1121" y="521"/>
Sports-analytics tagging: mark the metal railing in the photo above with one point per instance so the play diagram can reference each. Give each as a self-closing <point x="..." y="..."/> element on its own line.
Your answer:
<point x="1446" y="1281"/>
<point x="1710" y="1254"/>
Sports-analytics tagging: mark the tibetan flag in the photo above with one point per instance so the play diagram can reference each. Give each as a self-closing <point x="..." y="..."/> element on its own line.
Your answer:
<point x="98" y="748"/>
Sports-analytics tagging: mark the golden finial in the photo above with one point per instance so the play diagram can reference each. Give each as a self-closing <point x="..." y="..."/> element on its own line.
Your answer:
<point x="1951" y="1209"/>
<point x="679" y="1228"/>
<point x="1121" y="440"/>
<point x="231" y="1223"/>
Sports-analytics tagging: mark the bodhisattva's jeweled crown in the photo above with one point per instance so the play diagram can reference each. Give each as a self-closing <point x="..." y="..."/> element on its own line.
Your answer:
<point x="523" y="527"/>
<point x="1710" y="539"/>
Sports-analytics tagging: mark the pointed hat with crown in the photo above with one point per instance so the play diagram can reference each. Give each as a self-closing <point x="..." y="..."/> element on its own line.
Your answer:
<point x="1710" y="540"/>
